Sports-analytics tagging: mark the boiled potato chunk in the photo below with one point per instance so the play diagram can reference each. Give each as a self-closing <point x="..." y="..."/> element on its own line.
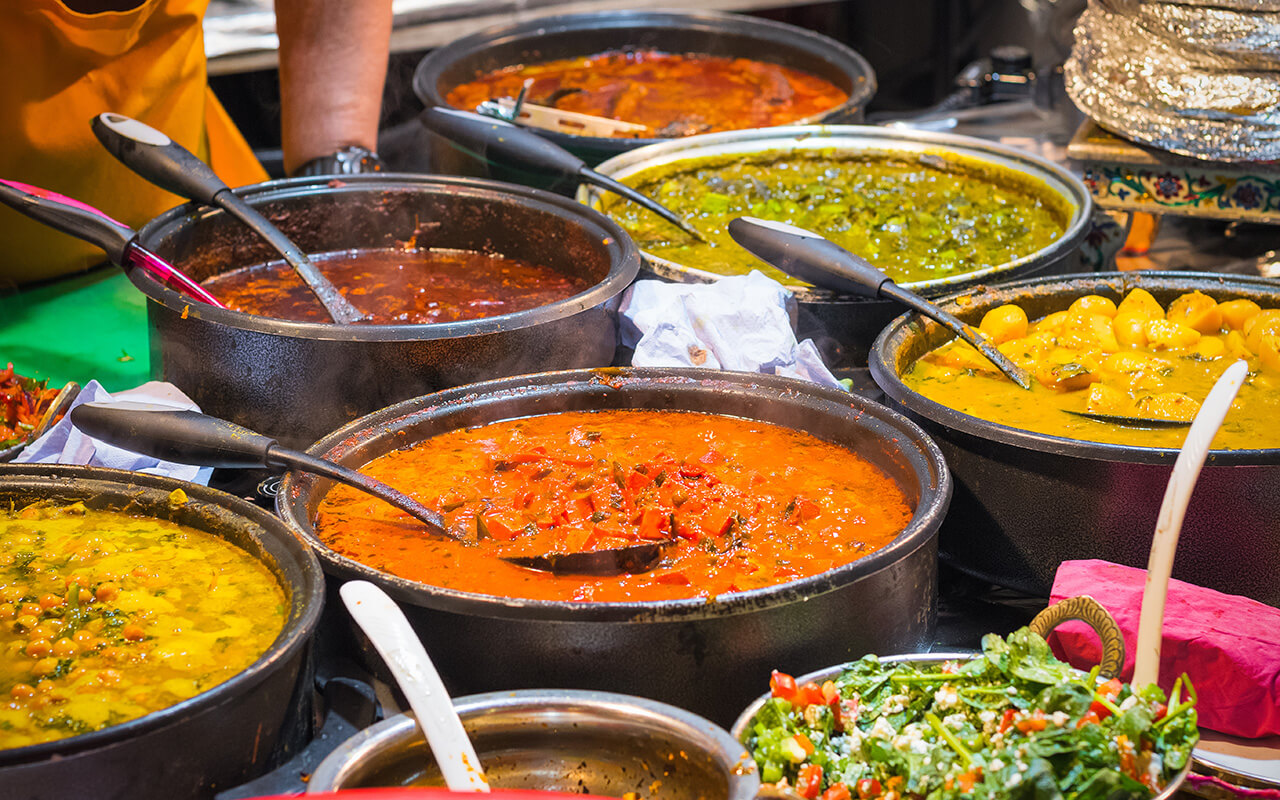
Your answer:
<point x="1196" y="310"/>
<point x="1169" y="405"/>
<point x="1236" y="312"/>
<point x="1093" y="304"/>
<point x="1003" y="323"/>
<point x="1163" y="334"/>
<point x="1140" y="301"/>
<point x="1263" y="322"/>
<point x="1130" y="329"/>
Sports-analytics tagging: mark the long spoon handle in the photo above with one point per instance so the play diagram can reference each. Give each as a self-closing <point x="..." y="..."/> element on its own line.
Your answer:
<point x="189" y="437"/>
<point x="169" y="165"/>
<point x="83" y="221"/>
<point x="810" y="257"/>
<point x="1173" y="509"/>
<point x="385" y="625"/>
<point x="501" y="142"/>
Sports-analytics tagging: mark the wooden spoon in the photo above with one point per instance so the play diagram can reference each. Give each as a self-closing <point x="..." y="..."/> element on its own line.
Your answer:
<point x="1186" y="471"/>
<point x="385" y="625"/>
<point x="810" y="257"/>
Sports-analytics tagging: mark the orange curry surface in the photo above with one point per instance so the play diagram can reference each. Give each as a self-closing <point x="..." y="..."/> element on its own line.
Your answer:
<point x="743" y="504"/>
<point x="672" y="94"/>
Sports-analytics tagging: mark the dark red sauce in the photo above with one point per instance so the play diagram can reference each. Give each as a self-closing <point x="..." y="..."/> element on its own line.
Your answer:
<point x="396" y="286"/>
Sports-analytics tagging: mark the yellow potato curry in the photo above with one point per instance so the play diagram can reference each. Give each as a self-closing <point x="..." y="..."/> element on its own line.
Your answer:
<point x="105" y="617"/>
<point x="1135" y="359"/>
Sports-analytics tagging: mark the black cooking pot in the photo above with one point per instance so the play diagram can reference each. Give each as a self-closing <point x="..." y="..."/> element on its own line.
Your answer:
<point x="705" y="656"/>
<point x="1025" y="502"/>
<point x="222" y="736"/>
<point x="299" y="380"/>
<point x="576" y="35"/>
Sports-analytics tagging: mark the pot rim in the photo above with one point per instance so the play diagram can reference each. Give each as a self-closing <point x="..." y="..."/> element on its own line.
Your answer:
<point x="305" y="604"/>
<point x="345" y="443"/>
<point x="388" y="732"/>
<point x="624" y="257"/>
<point x="885" y="374"/>
<point x="426" y="77"/>
<point x="858" y="139"/>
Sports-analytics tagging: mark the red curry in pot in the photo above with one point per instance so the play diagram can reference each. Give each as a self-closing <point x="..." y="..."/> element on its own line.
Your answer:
<point x="398" y="286"/>
<point x="743" y="505"/>
<point x="672" y="94"/>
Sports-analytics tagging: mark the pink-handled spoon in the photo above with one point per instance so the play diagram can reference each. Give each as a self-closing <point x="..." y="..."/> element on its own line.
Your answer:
<point x="88" y="223"/>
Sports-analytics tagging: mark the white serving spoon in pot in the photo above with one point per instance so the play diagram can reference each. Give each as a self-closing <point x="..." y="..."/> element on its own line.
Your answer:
<point x="1186" y="471"/>
<point x="385" y="625"/>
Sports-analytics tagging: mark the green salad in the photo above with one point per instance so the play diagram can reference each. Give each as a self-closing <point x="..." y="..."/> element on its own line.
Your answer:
<point x="1013" y="722"/>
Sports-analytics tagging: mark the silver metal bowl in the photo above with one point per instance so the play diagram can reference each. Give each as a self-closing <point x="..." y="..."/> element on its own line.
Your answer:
<point x="844" y="326"/>
<point x="562" y="740"/>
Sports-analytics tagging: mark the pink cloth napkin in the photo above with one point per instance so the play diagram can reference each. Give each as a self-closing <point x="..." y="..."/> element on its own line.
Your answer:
<point x="1228" y="645"/>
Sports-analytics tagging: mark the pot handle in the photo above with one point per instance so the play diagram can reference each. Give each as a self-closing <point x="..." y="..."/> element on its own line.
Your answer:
<point x="351" y="706"/>
<point x="1089" y="611"/>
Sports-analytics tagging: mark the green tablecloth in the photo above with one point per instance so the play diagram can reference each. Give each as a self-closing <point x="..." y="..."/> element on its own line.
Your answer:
<point x="92" y="325"/>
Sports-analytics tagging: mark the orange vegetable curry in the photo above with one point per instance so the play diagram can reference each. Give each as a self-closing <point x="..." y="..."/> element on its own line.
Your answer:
<point x="671" y="94"/>
<point x="742" y="504"/>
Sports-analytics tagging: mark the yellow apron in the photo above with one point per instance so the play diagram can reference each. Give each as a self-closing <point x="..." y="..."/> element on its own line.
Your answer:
<point x="63" y="68"/>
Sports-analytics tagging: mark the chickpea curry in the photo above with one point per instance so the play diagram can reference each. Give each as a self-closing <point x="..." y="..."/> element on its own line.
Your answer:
<point x="671" y="94"/>
<point x="105" y="617"/>
<point x="1137" y="358"/>
<point x="917" y="217"/>
<point x="739" y="504"/>
<point x="399" y="286"/>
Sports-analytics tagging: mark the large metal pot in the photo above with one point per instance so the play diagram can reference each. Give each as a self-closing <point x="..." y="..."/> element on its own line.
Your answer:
<point x="299" y="380"/>
<point x="1025" y="502"/>
<point x="706" y="32"/>
<point x="596" y="743"/>
<point x="699" y="654"/>
<point x="222" y="736"/>
<point x="844" y="325"/>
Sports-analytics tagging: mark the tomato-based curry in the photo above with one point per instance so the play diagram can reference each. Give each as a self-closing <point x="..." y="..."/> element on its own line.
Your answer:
<point x="394" y="286"/>
<point x="1135" y="359"/>
<point x="671" y="94"/>
<point x="105" y="617"/>
<point x="740" y="504"/>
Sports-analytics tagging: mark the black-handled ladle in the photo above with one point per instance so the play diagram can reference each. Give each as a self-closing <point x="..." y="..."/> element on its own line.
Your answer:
<point x="808" y="256"/>
<point x="172" y="167"/>
<point x="189" y="437"/>
<point x="501" y="142"/>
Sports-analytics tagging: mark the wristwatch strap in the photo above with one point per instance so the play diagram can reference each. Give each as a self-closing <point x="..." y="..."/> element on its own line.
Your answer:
<point x="350" y="160"/>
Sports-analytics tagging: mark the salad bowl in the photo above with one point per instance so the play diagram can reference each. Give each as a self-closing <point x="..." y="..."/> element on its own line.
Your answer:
<point x="763" y="727"/>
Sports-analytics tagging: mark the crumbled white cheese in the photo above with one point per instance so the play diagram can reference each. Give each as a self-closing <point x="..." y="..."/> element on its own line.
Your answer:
<point x="1060" y="718"/>
<point x="946" y="697"/>
<point x="955" y="721"/>
<point x="1014" y="780"/>
<point x="882" y="729"/>
<point x="1129" y="702"/>
<point x="896" y="703"/>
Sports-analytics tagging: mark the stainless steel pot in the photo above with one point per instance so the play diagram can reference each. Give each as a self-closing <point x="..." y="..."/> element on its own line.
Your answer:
<point x="219" y="738"/>
<point x="844" y="326"/>
<point x="699" y="654"/>
<point x="299" y="380"/>
<point x="559" y="740"/>
<point x="1025" y="502"/>
<point x="707" y="32"/>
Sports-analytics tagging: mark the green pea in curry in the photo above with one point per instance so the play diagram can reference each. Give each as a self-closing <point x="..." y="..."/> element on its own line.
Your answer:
<point x="105" y="617"/>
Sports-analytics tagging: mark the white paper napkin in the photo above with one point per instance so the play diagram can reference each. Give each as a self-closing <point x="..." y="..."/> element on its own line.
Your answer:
<point x="64" y="444"/>
<point x="742" y="323"/>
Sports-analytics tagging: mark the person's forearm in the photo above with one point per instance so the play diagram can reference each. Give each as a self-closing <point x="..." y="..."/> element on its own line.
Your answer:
<point x="333" y="63"/>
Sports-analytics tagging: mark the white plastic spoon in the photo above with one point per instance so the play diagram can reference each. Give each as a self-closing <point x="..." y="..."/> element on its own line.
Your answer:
<point x="385" y="625"/>
<point x="1186" y="471"/>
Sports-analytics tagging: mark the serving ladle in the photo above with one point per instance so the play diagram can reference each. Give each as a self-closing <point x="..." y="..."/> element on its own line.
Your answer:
<point x="810" y="257"/>
<point x="189" y="437"/>
<point x="83" y="221"/>
<point x="494" y="140"/>
<point x="174" y="168"/>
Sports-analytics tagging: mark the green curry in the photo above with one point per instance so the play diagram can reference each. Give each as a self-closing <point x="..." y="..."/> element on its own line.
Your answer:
<point x="918" y="218"/>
